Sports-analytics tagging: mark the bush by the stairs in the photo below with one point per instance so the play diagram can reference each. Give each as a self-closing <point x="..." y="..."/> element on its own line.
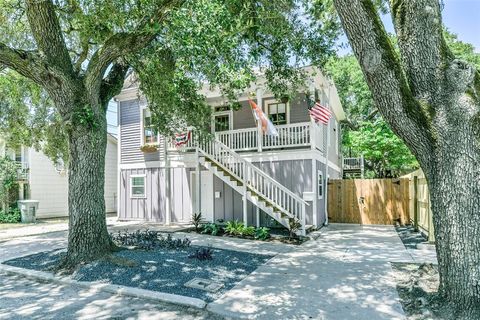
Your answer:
<point x="11" y="215"/>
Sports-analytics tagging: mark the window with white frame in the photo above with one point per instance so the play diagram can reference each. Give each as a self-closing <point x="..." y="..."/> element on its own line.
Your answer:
<point x="277" y="113"/>
<point x="137" y="186"/>
<point x="320" y="184"/>
<point x="150" y="133"/>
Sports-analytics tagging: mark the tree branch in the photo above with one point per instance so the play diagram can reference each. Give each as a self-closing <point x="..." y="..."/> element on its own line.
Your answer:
<point x="384" y="75"/>
<point x="27" y="63"/>
<point x="418" y="25"/>
<point x="113" y="83"/>
<point x="121" y="44"/>
<point x="48" y="35"/>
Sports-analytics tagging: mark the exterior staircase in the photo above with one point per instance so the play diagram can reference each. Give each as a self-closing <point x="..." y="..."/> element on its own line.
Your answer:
<point x="253" y="184"/>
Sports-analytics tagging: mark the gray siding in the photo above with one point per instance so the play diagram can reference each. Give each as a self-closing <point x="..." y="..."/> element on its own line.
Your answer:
<point x="152" y="207"/>
<point x="131" y="134"/>
<point x="320" y="202"/>
<point x="230" y="205"/>
<point x="243" y="118"/>
<point x="299" y="109"/>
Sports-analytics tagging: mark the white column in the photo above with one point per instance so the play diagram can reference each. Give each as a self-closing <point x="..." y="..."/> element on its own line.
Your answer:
<point x="259" y="94"/>
<point x="257" y="216"/>
<point x="168" y="208"/>
<point x="197" y="184"/>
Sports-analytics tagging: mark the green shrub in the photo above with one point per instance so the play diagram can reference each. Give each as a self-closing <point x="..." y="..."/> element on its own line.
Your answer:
<point x="234" y="228"/>
<point x="247" y="231"/>
<point x="13" y="215"/>
<point x="262" y="233"/>
<point x="211" y="228"/>
<point x="197" y="220"/>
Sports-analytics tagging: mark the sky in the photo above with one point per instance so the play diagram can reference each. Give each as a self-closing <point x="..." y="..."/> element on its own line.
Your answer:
<point x="461" y="17"/>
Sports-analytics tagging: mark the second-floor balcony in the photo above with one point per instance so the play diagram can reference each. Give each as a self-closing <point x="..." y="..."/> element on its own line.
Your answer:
<point x="290" y="136"/>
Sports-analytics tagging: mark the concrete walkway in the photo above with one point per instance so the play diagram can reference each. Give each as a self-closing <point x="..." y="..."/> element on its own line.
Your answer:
<point x="344" y="274"/>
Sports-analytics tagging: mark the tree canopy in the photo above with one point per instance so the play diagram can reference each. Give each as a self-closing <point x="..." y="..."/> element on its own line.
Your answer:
<point x="365" y="131"/>
<point x="172" y="47"/>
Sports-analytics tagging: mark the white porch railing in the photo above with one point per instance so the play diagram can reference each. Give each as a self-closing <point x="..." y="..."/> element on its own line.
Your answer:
<point x="353" y="163"/>
<point x="289" y="135"/>
<point x="295" y="135"/>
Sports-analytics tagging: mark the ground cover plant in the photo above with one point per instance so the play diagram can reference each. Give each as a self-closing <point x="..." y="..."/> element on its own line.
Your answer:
<point x="236" y="228"/>
<point x="148" y="240"/>
<point x="11" y="215"/>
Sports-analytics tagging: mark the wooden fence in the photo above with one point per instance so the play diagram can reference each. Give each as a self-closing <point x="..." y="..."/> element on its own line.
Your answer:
<point x="369" y="201"/>
<point x="419" y="203"/>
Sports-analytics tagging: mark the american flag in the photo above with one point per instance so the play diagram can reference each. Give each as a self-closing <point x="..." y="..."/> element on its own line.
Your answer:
<point x="320" y="113"/>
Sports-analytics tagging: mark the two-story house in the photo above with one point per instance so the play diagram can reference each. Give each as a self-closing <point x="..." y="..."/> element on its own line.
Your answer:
<point x="242" y="173"/>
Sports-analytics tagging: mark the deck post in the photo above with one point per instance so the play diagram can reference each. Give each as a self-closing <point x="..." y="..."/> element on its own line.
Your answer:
<point x="313" y="131"/>
<point x="244" y="197"/>
<point x="257" y="216"/>
<point x="304" y="220"/>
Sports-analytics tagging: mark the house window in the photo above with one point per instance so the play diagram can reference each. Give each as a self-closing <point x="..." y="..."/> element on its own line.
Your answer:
<point x="150" y="134"/>
<point x="137" y="186"/>
<point x="277" y="113"/>
<point x="320" y="184"/>
<point x="222" y="122"/>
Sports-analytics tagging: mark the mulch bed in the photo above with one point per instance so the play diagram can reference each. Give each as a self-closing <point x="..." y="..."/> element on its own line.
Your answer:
<point x="164" y="270"/>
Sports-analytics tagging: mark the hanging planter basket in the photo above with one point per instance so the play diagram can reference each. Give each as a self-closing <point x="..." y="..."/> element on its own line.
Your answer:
<point x="149" y="148"/>
<point x="284" y="99"/>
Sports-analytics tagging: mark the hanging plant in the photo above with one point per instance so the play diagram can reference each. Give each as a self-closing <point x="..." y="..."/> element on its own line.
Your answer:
<point x="285" y="98"/>
<point x="148" y="148"/>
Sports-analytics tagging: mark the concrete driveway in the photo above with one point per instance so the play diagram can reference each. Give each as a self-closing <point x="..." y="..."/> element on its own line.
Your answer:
<point x="344" y="274"/>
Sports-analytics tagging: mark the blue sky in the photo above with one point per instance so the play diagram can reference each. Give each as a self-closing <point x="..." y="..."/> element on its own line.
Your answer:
<point x="459" y="16"/>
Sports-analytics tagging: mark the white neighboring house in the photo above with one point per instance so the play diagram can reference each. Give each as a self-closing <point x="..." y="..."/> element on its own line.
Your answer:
<point x="46" y="182"/>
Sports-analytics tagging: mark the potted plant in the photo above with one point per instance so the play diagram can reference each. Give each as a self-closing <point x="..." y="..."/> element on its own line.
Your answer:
<point x="285" y="98"/>
<point x="149" y="147"/>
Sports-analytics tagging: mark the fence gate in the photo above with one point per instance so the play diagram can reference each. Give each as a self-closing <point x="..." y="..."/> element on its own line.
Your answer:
<point x="368" y="201"/>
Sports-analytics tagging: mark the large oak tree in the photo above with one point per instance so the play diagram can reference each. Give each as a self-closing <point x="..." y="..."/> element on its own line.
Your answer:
<point x="77" y="53"/>
<point x="431" y="99"/>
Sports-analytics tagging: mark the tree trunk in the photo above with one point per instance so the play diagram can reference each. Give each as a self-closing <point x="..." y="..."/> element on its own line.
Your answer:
<point x="432" y="101"/>
<point x="88" y="238"/>
<point x="454" y="184"/>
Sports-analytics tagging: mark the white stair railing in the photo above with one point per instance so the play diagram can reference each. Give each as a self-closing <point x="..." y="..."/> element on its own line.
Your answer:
<point x="255" y="179"/>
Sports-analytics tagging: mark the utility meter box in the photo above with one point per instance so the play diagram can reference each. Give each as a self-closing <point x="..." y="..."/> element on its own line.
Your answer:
<point x="28" y="209"/>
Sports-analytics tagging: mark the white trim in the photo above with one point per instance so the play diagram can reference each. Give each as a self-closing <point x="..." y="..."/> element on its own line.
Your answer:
<point x="229" y="113"/>
<point x="119" y="158"/>
<point x="144" y="176"/>
<point x="187" y="160"/>
<point x="320" y="178"/>
<point x="268" y="102"/>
